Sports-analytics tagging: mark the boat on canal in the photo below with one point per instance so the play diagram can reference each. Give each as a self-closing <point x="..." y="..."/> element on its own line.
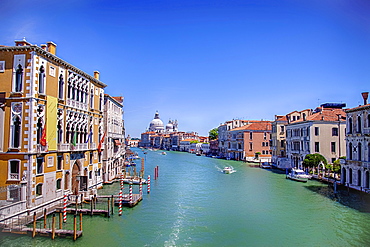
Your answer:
<point x="265" y="165"/>
<point x="164" y="153"/>
<point x="134" y="180"/>
<point x="228" y="170"/>
<point x="298" y="175"/>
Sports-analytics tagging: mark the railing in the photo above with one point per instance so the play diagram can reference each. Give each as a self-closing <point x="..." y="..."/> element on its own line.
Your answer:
<point x="14" y="176"/>
<point x="41" y="149"/>
<point x="77" y="104"/>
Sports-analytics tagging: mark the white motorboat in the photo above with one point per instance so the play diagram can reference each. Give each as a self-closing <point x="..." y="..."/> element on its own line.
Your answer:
<point x="228" y="170"/>
<point x="134" y="180"/>
<point x="164" y="153"/>
<point x="298" y="175"/>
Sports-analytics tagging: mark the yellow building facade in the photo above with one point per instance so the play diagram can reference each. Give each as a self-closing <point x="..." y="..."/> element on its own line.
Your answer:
<point x="51" y="127"/>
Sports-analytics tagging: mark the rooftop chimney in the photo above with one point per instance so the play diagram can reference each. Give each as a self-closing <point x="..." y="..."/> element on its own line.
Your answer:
<point x="364" y="96"/>
<point x="43" y="46"/>
<point x="97" y="75"/>
<point x="22" y="42"/>
<point x="52" y="47"/>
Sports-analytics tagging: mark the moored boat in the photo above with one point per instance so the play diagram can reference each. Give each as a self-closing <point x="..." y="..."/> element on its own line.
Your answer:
<point x="134" y="180"/>
<point x="298" y="175"/>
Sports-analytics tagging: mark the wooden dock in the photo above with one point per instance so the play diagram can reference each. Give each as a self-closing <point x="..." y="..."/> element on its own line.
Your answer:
<point x="136" y="198"/>
<point x="43" y="232"/>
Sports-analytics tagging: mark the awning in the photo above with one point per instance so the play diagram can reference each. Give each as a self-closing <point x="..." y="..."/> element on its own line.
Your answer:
<point x="117" y="142"/>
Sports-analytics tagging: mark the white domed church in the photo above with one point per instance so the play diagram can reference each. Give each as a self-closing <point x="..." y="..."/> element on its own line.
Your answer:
<point x="156" y="125"/>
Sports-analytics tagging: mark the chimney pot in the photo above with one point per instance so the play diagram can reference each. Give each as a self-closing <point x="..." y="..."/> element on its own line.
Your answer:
<point x="97" y="75"/>
<point x="52" y="47"/>
<point x="364" y="96"/>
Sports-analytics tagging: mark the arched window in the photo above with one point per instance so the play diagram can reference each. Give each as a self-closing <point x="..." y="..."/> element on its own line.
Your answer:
<point x="42" y="80"/>
<point x="350" y="126"/>
<point x="350" y="151"/>
<point x="359" y="147"/>
<point x="350" y="176"/>
<point x="16" y="134"/>
<point x="368" y="120"/>
<point x="359" y="177"/>
<point x="359" y="124"/>
<point x="61" y="87"/>
<point x="60" y="131"/>
<point x="39" y="129"/>
<point x="18" y="79"/>
<point x="92" y="98"/>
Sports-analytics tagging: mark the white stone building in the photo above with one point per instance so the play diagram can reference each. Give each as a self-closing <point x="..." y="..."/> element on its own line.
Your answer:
<point x="114" y="152"/>
<point x="355" y="172"/>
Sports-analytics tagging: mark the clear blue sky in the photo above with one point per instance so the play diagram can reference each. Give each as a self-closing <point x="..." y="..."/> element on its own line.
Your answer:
<point x="206" y="62"/>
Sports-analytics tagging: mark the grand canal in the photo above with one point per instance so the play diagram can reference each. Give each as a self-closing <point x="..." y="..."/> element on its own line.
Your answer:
<point x="193" y="203"/>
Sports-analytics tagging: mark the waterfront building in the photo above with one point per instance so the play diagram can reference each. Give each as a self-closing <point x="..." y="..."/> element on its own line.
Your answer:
<point x="132" y="142"/>
<point x="185" y="145"/>
<point x="213" y="147"/>
<point x="355" y="171"/>
<point x="320" y="131"/>
<point x="251" y="142"/>
<point x="114" y="141"/>
<point x="51" y="117"/>
<point x="278" y="142"/>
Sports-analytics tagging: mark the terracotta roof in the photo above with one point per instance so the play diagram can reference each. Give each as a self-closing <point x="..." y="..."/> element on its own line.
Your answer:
<point x="357" y="108"/>
<point x="255" y="125"/>
<point x="188" y="140"/>
<point x="326" y="114"/>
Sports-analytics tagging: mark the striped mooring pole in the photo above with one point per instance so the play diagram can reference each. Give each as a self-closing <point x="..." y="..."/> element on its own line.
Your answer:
<point x="148" y="184"/>
<point x="130" y="195"/>
<point x="65" y="208"/>
<point x="141" y="187"/>
<point x="120" y="203"/>
<point x="121" y="182"/>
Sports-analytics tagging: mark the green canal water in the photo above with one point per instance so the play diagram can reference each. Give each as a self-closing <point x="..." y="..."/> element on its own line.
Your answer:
<point x="193" y="203"/>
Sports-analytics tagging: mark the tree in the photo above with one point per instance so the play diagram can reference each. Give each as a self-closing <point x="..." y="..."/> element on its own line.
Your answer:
<point x="213" y="134"/>
<point x="313" y="160"/>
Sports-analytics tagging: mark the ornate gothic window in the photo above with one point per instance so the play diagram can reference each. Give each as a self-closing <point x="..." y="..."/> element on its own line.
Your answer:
<point x="16" y="131"/>
<point x="359" y="124"/>
<point x="350" y="126"/>
<point x="18" y="79"/>
<point x="359" y="151"/>
<point x="350" y="150"/>
<point x="60" y="132"/>
<point x="61" y="87"/>
<point x="42" y="80"/>
<point x="39" y="129"/>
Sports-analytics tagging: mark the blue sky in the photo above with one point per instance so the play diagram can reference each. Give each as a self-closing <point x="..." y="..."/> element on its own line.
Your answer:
<point x="206" y="62"/>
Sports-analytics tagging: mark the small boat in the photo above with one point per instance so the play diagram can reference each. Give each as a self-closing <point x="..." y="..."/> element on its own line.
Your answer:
<point x="298" y="175"/>
<point x="197" y="154"/>
<point x="164" y="153"/>
<point x="134" y="180"/>
<point x="228" y="170"/>
<point x="265" y="165"/>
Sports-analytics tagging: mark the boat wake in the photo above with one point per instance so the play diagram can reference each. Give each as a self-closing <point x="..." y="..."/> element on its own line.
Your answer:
<point x="229" y="169"/>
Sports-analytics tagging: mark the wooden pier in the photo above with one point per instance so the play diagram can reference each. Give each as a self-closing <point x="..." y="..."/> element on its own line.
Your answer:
<point x="43" y="232"/>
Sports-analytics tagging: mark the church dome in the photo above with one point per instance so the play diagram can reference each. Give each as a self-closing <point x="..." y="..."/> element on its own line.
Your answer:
<point x="169" y="126"/>
<point x="156" y="124"/>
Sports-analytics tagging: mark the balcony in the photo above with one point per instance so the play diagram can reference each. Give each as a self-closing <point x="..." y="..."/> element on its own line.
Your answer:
<point x="65" y="147"/>
<point x="41" y="149"/>
<point x="14" y="176"/>
<point x="76" y="104"/>
<point x="366" y="131"/>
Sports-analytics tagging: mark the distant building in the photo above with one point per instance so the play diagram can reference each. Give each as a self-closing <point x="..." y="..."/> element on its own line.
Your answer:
<point x="355" y="172"/>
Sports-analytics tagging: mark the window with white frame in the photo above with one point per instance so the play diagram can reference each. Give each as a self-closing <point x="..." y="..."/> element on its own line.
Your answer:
<point x="39" y="190"/>
<point x="42" y="80"/>
<point x="14" y="170"/>
<point x="40" y="165"/>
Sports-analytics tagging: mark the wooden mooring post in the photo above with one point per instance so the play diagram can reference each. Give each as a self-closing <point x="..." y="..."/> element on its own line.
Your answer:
<point x="34" y="225"/>
<point x="53" y="227"/>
